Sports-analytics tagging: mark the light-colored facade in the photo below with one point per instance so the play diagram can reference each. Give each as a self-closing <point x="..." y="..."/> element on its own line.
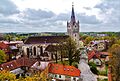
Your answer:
<point x="73" y="27"/>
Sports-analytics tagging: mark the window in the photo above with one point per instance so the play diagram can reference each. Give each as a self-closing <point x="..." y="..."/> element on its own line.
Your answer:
<point x="74" y="79"/>
<point x="75" y="35"/>
<point x="57" y="68"/>
<point x="72" y="69"/>
<point x="55" y="75"/>
<point x="11" y="65"/>
<point x="52" y="67"/>
<point x="68" y="69"/>
<point x="1" y="68"/>
<point x="59" y="76"/>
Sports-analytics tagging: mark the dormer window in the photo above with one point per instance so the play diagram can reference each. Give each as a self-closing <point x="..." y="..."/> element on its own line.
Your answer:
<point x="68" y="69"/>
<point x="72" y="69"/>
<point x="7" y="66"/>
<point x="11" y="65"/>
<point x="1" y="68"/>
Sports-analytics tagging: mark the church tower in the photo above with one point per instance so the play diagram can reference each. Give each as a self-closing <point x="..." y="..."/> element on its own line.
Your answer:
<point x="73" y="27"/>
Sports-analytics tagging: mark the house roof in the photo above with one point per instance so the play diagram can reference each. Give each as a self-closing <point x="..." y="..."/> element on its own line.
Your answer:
<point x="3" y="45"/>
<point x="91" y="54"/>
<point x="63" y="70"/>
<point x="51" y="48"/>
<point x="45" y="39"/>
<point x="24" y="61"/>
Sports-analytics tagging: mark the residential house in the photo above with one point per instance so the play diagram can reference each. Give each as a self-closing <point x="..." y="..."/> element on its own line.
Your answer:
<point x="99" y="58"/>
<point x="20" y="66"/>
<point x="63" y="72"/>
<point x="99" y="45"/>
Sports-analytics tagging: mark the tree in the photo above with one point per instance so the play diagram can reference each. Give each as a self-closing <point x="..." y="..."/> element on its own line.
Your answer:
<point x="71" y="50"/>
<point x="88" y="39"/>
<point x="115" y="61"/>
<point x="7" y="76"/>
<point x="2" y="56"/>
<point x="93" y="68"/>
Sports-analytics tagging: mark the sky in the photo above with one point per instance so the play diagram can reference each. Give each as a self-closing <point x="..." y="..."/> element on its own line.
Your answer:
<point x="52" y="15"/>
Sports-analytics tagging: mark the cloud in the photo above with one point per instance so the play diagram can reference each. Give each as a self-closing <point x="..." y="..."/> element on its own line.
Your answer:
<point x="85" y="19"/>
<point x="33" y="14"/>
<point x="7" y="8"/>
<point x="110" y="11"/>
<point x="107" y="18"/>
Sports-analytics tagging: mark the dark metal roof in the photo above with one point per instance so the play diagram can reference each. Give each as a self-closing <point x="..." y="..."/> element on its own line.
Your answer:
<point x="45" y="39"/>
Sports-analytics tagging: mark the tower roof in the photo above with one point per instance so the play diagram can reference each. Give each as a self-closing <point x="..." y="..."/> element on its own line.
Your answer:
<point x="72" y="14"/>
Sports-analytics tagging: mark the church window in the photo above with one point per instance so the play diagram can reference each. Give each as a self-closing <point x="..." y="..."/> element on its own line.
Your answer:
<point x="28" y="52"/>
<point x="34" y="51"/>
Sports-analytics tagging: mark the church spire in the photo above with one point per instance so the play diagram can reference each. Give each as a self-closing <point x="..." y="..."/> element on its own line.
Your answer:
<point x="72" y="14"/>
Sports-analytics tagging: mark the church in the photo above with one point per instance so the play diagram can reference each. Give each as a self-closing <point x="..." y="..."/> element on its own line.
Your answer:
<point x="36" y="46"/>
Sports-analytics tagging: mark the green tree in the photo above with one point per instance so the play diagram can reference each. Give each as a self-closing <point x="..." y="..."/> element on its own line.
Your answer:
<point x="115" y="61"/>
<point x="7" y="76"/>
<point x="2" y="56"/>
<point x="93" y="67"/>
<point x="88" y="39"/>
<point x="71" y="50"/>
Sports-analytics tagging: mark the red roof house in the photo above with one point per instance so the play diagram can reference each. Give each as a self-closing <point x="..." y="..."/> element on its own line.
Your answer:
<point x="3" y="45"/>
<point x="14" y="64"/>
<point x="63" y="70"/>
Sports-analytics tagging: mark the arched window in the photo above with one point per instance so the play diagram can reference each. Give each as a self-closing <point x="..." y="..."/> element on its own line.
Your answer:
<point x="41" y="50"/>
<point x="34" y="49"/>
<point x="27" y="52"/>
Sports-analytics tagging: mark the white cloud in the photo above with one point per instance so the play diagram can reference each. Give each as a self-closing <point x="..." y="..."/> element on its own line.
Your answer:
<point x="52" y="15"/>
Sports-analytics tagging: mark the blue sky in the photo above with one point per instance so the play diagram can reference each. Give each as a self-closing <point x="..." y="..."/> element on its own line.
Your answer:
<point x="52" y="15"/>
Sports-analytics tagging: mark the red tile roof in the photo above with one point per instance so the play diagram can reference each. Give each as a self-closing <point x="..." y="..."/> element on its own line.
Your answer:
<point x="24" y="61"/>
<point x="3" y="45"/>
<point x="91" y="54"/>
<point x="63" y="70"/>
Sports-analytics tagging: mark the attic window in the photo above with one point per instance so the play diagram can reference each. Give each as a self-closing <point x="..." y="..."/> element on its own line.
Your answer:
<point x="72" y="69"/>
<point x="11" y="65"/>
<point x="1" y="68"/>
<point x="7" y="66"/>
<point x="68" y="69"/>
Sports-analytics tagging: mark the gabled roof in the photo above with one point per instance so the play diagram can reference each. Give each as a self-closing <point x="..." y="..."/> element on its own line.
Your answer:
<point x="51" y="48"/>
<point x="24" y="61"/>
<point x="91" y="54"/>
<point x="63" y="70"/>
<point x="45" y="39"/>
